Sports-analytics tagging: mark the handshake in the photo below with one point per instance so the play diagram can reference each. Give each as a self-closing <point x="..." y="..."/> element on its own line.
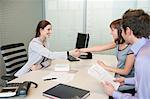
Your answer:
<point x="86" y="54"/>
<point x="75" y="52"/>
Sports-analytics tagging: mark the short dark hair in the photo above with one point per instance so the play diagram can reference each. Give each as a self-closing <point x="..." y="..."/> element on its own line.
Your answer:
<point x="133" y="12"/>
<point x="139" y="25"/>
<point x="41" y="25"/>
<point x="117" y="25"/>
<point x="145" y="18"/>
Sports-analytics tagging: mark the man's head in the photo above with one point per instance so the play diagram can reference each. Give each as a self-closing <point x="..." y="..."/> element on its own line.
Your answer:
<point x="133" y="12"/>
<point x="135" y="27"/>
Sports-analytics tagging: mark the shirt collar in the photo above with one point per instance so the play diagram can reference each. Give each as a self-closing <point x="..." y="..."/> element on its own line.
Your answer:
<point x="37" y="39"/>
<point x="138" y="45"/>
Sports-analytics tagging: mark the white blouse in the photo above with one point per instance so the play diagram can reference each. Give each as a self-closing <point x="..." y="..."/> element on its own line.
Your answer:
<point x="36" y="52"/>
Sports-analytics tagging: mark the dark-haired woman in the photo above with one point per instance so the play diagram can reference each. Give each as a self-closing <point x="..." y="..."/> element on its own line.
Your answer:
<point x="38" y="53"/>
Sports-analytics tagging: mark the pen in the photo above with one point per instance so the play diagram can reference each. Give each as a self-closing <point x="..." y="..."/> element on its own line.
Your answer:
<point x="50" y="79"/>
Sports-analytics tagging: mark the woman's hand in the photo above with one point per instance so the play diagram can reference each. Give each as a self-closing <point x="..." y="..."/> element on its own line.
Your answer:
<point x="83" y="50"/>
<point x="103" y="65"/>
<point x="75" y="52"/>
<point x="35" y="67"/>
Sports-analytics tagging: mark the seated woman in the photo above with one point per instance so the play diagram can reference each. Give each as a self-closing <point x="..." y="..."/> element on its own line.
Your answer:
<point x="38" y="53"/>
<point x="124" y="56"/>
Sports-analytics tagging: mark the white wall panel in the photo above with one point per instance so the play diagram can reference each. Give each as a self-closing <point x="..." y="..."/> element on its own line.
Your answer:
<point x="66" y="17"/>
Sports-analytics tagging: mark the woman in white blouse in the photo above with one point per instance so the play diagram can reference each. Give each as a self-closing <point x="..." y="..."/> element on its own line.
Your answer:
<point x="38" y="53"/>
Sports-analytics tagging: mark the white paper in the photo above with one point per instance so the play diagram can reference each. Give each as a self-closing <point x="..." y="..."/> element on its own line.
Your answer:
<point x="62" y="77"/>
<point x="101" y="74"/>
<point x="62" y="67"/>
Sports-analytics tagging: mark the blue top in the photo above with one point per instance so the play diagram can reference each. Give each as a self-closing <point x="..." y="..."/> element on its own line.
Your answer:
<point x="141" y="50"/>
<point x="121" y="57"/>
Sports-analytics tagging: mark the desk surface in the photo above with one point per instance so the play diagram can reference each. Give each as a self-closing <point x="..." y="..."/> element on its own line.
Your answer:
<point x="82" y="79"/>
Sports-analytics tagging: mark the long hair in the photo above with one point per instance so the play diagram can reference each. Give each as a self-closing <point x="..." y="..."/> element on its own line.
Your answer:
<point x="116" y="24"/>
<point x="41" y="25"/>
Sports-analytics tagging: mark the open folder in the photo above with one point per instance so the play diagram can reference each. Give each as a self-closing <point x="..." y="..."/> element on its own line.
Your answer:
<point x="101" y="74"/>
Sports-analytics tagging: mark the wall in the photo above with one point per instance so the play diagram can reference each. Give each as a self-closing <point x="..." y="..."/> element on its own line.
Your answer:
<point x="69" y="17"/>
<point x="66" y="17"/>
<point x="18" y="20"/>
<point x="1" y="68"/>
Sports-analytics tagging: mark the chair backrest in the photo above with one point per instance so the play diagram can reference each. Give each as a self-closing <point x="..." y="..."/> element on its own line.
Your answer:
<point x="14" y="56"/>
<point x="82" y="40"/>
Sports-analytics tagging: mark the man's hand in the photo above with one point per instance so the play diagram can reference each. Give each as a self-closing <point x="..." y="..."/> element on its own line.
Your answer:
<point x="75" y="52"/>
<point x="109" y="89"/>
<point x="120" y="80"/>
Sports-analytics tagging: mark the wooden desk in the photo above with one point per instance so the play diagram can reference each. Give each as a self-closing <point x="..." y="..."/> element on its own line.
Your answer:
<point x="82" y="79"/>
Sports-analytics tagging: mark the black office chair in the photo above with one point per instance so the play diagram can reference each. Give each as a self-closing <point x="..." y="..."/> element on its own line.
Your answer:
<point x="14" y="56"/>
<point x="82" y="42"/>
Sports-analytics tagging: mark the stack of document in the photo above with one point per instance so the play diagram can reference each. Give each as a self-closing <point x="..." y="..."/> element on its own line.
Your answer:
<point x="62" y="67"/>
<point x="101" y="74"/>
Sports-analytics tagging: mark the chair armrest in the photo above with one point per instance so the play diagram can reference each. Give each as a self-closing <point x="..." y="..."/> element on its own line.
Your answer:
<point x="8" y="78"/>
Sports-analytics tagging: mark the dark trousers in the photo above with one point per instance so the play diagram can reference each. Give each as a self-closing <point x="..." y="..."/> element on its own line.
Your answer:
<point x="131" y="91"/>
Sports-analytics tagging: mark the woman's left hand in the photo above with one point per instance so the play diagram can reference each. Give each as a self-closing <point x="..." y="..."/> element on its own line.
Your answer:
<point x="35" y="67"/>
<point x="102" y="64"/>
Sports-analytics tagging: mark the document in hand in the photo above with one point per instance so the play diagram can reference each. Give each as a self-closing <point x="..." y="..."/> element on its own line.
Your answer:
<point x="62" y="91"/>
<point x="101" y="74"/>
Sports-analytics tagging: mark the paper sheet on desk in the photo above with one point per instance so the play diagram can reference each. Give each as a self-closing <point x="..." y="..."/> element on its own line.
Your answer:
<point x="62" y="77"/>
<point x="101" y="74"/>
